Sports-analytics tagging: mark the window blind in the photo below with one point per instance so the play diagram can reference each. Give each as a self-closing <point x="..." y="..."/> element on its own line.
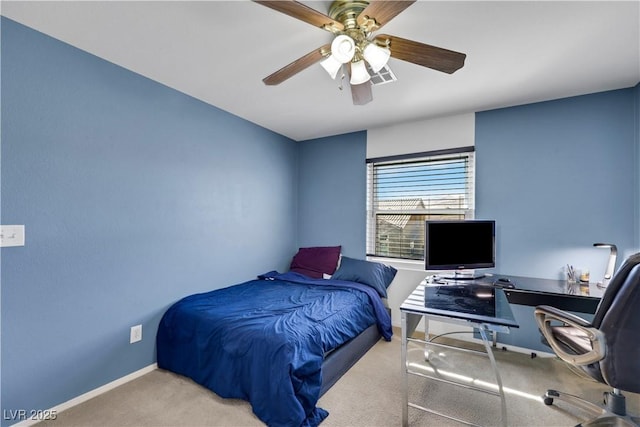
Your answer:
<point x="404" y="192"/>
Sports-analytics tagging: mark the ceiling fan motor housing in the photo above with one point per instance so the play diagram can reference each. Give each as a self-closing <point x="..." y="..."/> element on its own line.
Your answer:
<point x="346" y="12"/>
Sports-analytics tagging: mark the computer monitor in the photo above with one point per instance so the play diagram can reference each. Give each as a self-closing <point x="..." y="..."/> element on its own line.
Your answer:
<point x="460" y="245"/>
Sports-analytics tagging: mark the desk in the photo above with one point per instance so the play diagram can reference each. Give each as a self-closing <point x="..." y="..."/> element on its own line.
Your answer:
<point x="486" y="308"/>
<point x="530" y="291"/>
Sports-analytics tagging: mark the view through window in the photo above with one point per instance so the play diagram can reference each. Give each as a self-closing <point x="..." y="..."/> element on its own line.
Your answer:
<point x="402" y="193"/>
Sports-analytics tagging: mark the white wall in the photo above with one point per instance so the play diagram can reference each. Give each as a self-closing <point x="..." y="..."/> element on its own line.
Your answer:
<point x="425" y="135"/>
<point x="417" y="137"/>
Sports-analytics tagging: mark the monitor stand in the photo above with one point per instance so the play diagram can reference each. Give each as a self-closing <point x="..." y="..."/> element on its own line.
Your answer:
<point x="458" y="275"/>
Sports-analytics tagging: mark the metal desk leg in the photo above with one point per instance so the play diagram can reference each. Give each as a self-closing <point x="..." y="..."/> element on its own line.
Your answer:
<point x="427" y="352"/>
<point x="487" y="346"/>
<point x="405" y="379"/>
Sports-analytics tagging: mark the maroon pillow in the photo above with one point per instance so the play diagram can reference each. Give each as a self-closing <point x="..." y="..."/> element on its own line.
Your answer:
<point x="316" y="261"/>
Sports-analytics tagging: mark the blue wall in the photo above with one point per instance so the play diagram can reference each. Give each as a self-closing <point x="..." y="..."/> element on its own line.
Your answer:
<point x="557" y="177"/>
<point x="133" y="195"/>
<point x="332" y="196"/>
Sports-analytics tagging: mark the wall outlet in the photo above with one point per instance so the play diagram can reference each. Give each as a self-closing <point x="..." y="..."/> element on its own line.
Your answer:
<point x="11" y="235"/>
<point x="136" y="334"/>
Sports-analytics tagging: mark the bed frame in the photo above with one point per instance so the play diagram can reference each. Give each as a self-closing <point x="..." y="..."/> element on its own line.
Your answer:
<point x="339" y="361"/>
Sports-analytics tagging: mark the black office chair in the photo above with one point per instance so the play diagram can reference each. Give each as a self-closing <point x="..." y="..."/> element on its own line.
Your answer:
<point x="607" y="349"/>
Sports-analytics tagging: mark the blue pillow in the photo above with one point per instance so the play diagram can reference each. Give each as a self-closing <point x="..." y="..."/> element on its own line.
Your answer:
<point x="374" y="274"/>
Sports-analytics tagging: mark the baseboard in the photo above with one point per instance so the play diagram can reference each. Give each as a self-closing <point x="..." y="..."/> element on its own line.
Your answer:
<point x="90" y="395"/>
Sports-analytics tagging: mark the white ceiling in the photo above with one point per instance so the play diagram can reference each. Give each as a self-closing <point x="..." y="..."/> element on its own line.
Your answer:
<point x="219" y="51"/>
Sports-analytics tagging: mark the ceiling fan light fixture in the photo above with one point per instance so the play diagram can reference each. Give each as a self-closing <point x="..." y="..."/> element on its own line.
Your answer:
<point x="331" y="66"/>
<point x="359" y="73"/>
<point x="376" y="56"/>
<point x="343" y="48"/>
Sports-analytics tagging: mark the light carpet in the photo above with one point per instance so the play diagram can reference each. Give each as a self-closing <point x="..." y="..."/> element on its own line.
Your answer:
<point x="370" y="394"/>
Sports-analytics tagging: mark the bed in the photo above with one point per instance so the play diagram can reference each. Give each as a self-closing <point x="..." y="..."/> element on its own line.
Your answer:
<point x="279" y="341"/>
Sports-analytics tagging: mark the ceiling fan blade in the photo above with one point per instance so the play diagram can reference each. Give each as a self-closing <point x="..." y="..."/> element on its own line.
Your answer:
<point x="298" y="65"/>
<point x="426" y="55"/>
<point x="362" y="93"/>
<point x="304" y="13"/>
<point x="382" y="11"/>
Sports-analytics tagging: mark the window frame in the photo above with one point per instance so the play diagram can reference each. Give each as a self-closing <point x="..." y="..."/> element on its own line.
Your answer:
<point x="467" y="212"/>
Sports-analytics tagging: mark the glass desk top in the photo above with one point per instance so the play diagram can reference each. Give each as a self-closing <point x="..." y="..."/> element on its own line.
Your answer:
<point x="531" y="291"/>
<point x="556" y="287"/>
<point x="476" y="303"/>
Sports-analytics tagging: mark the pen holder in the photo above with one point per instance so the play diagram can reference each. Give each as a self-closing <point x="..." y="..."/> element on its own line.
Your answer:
<point x="572" y="275"/>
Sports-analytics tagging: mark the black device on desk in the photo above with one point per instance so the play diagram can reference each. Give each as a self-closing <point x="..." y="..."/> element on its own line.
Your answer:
<point x="503" y="282"/>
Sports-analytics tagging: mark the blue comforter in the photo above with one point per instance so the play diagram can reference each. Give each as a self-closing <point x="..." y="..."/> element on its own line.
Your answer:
<point x="264" y="340"/>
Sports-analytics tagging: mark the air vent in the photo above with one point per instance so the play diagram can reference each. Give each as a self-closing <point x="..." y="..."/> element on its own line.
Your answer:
<point x="384" y="76"/>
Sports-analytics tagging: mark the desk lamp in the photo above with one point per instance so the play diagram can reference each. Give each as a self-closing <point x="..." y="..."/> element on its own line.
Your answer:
<point x="611" y="265"/>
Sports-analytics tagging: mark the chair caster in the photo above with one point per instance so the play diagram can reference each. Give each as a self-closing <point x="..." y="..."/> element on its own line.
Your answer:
<point x="549" y="395"/>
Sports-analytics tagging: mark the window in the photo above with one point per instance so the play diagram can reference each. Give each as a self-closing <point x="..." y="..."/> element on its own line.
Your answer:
<point x="405" y="191"/>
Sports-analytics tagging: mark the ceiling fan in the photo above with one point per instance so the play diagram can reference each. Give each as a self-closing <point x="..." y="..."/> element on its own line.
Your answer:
<point x="355" y="48"/>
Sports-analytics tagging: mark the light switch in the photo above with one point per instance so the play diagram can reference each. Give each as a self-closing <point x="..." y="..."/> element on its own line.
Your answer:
<point x="11" y="235"/>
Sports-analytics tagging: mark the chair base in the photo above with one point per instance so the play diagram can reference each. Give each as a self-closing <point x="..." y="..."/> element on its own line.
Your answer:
<point x="612" y="413"/>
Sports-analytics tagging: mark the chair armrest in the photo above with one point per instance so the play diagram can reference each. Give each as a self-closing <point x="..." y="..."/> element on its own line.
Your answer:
<point x="562" y="316"/>
<point x="546" y="314"/>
